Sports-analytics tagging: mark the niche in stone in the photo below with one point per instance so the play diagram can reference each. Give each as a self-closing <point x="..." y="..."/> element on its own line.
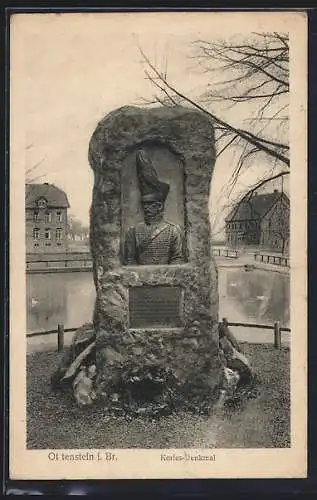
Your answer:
<point x="153" y="208"/>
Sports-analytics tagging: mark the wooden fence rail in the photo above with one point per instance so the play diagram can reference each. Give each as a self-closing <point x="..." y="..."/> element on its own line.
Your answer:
<point x="277" y="329"/>
<point x="280" y="260"/>
<point x="225" y="252"/>
<point x="272" y="259"/>
<point x="60" y="265"/>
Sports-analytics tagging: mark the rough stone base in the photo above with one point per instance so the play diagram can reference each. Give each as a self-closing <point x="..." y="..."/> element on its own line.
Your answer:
<point x="145" y="379"/>
<point x="147" y="370"/>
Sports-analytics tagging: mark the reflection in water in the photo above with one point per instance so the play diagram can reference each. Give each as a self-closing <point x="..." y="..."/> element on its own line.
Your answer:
<point x="258" y="296"/>
<point x="251" y="297"/>
<point x="59" y="298"/>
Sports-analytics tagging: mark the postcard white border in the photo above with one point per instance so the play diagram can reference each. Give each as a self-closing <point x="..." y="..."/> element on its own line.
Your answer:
<point x="138" y="463"/>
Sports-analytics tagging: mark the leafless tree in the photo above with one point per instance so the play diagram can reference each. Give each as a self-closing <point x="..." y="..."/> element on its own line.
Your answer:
<point x="283" y="233"/>
<point x="76" y="228"/>
<point x="281" y="229"/>
<point x="248" y="74"/>
<point x="254" y="72"/>
<point x="32" y="174"/>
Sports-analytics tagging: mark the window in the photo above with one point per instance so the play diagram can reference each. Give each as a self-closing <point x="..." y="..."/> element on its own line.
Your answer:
<point x="36" y="233"/>
<point x="59" y="216"/>
<point x="41" y="203"/>
<point x="47" y="234"/>
<point x="47" y="217"/>
<point x="58" y="233"/>
<point x="36" y="216"/>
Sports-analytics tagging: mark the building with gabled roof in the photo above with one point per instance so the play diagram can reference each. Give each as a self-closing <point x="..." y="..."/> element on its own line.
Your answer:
<point x="46" y="218"/>
<point x="260" y="220"/>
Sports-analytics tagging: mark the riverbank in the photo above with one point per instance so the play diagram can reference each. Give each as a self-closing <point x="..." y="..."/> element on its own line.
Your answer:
<point x="53" y="421"/>
<point x="58" y="262"/>
<point x="82" y="261"/>
<point x="252" y="259"/>
<point x="259" y="296"/>
<point x="47" y="343"/>
<point x="259" y="265"/>
<point x="251" y="264"/>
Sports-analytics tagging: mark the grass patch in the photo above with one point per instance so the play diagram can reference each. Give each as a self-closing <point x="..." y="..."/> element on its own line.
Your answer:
<point x="54" y="421"/>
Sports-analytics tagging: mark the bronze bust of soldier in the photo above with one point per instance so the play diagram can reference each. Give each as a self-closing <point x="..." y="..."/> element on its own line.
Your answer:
<point x="156" y="240"/>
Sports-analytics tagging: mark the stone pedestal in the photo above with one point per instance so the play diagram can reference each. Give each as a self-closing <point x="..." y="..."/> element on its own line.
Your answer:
<point x="156" y="325"/>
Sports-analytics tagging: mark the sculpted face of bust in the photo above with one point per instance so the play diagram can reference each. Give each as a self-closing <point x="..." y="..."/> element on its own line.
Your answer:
<point x="153" y="211"/>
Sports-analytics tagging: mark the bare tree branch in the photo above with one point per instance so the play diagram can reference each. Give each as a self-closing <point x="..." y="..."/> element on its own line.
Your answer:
<point x="226" y="146"/>
<point x="262" y="183"/>
<point x="253" y="75"/>
<point x="31" y="169"/>
<point x="268" y="146"/>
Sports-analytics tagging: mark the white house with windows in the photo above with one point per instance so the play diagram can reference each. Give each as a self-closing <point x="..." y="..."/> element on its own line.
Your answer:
<point x="46" y="218"/>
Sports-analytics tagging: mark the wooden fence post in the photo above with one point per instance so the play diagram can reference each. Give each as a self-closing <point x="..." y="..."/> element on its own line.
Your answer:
<point x="60" y="337"/>
<point x="277" y="335"/>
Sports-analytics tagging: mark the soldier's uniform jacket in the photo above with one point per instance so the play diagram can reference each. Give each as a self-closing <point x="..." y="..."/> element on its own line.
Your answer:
<point x="154" y="244"/>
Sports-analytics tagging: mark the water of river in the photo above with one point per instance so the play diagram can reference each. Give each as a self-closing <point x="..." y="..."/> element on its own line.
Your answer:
<point x="259" y="296"/>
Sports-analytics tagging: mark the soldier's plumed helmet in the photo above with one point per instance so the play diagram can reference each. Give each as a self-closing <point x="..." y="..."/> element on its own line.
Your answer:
<point x="151" y="188"/>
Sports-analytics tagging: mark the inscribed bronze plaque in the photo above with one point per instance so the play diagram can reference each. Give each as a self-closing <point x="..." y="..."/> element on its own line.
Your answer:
<point x="155" y="307"/>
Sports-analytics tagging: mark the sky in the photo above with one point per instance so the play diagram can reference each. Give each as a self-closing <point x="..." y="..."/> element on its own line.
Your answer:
<point x="70" y="70"/>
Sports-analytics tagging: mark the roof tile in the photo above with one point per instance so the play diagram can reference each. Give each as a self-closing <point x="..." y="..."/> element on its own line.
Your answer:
<point x="253" y="207"/>
<point x="55" y="197"/>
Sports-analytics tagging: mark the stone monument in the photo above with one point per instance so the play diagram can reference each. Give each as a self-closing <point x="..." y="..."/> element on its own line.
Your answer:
<point x="156" y="311"/>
